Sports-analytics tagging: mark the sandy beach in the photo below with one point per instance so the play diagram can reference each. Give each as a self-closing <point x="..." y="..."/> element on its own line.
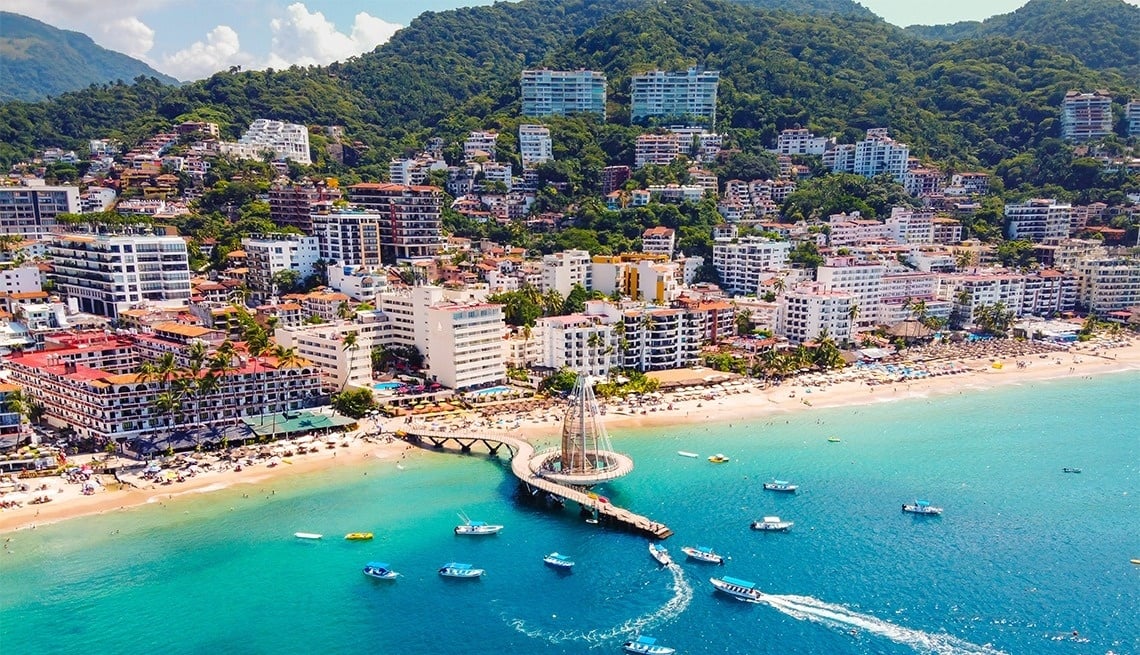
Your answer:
<point x="951" y="371"/>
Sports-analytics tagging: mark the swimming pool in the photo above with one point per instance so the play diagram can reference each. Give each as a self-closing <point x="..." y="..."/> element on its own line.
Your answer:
<point x="491" y="390"/>
<point x="387" y="386"/>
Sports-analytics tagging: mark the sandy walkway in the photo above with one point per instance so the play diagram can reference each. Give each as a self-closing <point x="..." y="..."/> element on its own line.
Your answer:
<point x="736" y="403"/>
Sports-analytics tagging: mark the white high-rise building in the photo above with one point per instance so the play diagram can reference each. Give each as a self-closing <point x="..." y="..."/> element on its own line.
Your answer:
<point x="1109" y="284"/>
<point x="480" y="145"/>
<point x="562" y="93"/>
<point x="411" y="227"/>
<point x="282" y="140"/>
<point x="741" y="261"/>
<point x="1038" y="219"/>
<point x="658" y="149"/>
<point x="535" y="145"/>
<point x="801" y="142"/>
<point x="1086" y="116"/>
<point x="464" y="346"/>
<point x="1132" y="115"/>
<point x="29" y="210"/>
<point x="806" y="312"/>
<point x="675" y="96"/>
<point x="107" y="274"/>
<point x="267" y="255"/>
<point x="349" y="238"/>
<point x="562" y="270"/>
<point x="585" y="343"/>
<point x="880" y="154"/>
<point x="863" y="281"/>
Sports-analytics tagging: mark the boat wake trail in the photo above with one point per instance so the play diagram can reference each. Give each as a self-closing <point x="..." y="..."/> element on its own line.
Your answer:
<point x="806" y="608"/>
<point x="682" y="596"/>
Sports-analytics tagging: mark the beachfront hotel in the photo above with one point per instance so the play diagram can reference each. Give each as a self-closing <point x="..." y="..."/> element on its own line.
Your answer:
<point x="87" y="382"/>
<point x="586" y="343"/>
<point x="808" y="311"/>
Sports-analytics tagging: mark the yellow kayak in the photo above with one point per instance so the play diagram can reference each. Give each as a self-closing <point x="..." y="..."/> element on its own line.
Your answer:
<point x="358" y="536"/>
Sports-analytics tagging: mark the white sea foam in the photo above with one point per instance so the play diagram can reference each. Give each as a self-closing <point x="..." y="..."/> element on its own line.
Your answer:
<point x="807" y="608"/>
<point x="682" y="596"/>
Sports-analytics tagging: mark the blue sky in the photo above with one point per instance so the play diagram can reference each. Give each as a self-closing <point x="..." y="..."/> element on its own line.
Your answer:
<point x="190" y="39"/>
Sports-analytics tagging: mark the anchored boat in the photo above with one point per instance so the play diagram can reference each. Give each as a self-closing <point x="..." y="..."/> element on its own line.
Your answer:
<point x="922" y="507"/>
<point x="718" y="458"/>
<point x="703" y="554"/>
<point x="358" y="536"/>
<point x="559" y="561"/>
<point x="457" y="570"/>
<point x="781" y="485"/>
<point x="380" y="571"/>
<point x="307" y="535"/>
<point x="470" y="527"/>
<point x="772" y="524"/>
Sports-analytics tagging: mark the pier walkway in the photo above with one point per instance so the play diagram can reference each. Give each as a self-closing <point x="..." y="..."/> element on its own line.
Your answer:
<point x="522" y="457"/>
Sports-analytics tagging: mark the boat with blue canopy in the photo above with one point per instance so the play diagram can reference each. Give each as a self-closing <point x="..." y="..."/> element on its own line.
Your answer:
<point x="458" y="570"/>
<point x="922" y="507"/>
<point x="737" y="588"/>
<point x="380" y="571"/>
<point x="646" y="646"/>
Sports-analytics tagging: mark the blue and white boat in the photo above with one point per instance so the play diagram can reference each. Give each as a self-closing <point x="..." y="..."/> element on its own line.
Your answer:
<point x="781" y="485"/>
<point x="559" y="561"/>
<point x="457" y="570"/>
<point x="922" y="507"/>
<point x="703" y="554"/>
<point x="660" y="554"/>
<point x="772" y="524"/>
<point x="470" y="527"/>
<point x="380" y="571"/>
<point x="737" y="588"/>
<point x="646" y="646"/>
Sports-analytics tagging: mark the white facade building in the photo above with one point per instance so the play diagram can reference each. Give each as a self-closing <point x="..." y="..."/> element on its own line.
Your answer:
<point x="1086" y="116"/>
<point x="1109" y="284"/>
<point x="675" y="96"/>
<point x="30" y="209"/>
<point x="340" y="364"/>
<point x="349" y="238"/>
<point x="1038" y="219"/>
<point x="1132" y="115"/>
<point x="535" y="145"/>
<point x="480" y="145"/>
<point x="268" y="255"/>
<point x="740" y="262"/>
<point x="658" y="241"/>
<point x="808" y="311"/>
<point x="879" y="154"/>
<point x="657" y="149"/>
<point x="20" y="279"/>
<point x="562" y="270"/>
<point x="586" y="343"/>
<point x="801" y="142"/>
<point x="562" y="93"/>
<point x="464" y="345"/>
<point x="282" y="140"/>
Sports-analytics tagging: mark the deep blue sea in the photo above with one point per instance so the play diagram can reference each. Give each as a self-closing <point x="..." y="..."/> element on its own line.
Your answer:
<point x="1026" y="559"/>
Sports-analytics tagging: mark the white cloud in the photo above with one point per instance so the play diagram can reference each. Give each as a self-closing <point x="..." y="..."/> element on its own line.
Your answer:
<point x="220" y="50"/>
<point x="304" y="38"/>
<point x="129" y="36"/>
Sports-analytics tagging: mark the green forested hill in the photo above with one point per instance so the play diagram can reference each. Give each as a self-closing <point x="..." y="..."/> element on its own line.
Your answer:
<point x="976" y="102"/>
<point x="1101" y="33"/>
<point x="38" y="60"/>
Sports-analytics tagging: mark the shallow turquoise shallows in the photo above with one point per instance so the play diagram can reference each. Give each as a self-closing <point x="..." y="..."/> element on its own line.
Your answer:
<point x="1026" y="559"/>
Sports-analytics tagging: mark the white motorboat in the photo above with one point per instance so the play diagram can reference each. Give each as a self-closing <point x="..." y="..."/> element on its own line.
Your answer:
<point x="773" y="524"/>
<point x="380" y="571"/>
<point x="737" y="588"/>
<point x="922" y="507"/>
<point x="559" y="561"/>
<point x="470" y="527"/>
<point x="307" y="535"/>
<point x="703" y="554"/>
<point x="781" y="485"/>
<point x="646" y="646"/>
<point x="457" y="570"/>
<point x="685" y="453"/>
<point x="660" y="554"/>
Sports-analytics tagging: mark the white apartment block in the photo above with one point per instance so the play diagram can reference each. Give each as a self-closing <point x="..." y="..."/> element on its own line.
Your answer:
<point x="586" y="343"/>
<point x="1132" y="115"/>
<point x="740" y="262"/>
<point x="480" y="145"/>
<point x="106" y="274"/>
<point x="906" y="225"/>
<point x="562" y="93"/>
<point x="676" y="193"/>
<point x="801" y="142"/>
<point x="413" y="172"/>
<point x="359" y="283"/>
<point x="411" y="227"/>
<point x="562" y="270"/>
<point x="20" y="279"/>
<point x="657" y="149"/>
<point x="96" y="199"/>
<point x="699" y="143"/>
<point x="1086" y="116"/>
<point x="282" y="140"/>
<point x="806" y="312"/>
<point x="968" y="184"/>
<point x="1038" y="219"/>
<point x="657" y="338"/>
<point x="920" y="182"/>
<point x="341" y="365"/>
<point x="900" y="288"/>
<point x="267" y="255"/>
<point x="29" y="210"/>
<point x="847" y="230"/>
<point x="879" y="154"/>
<point x="675" y="97"/>
<point x="523" y="347"/>
<point x="349" y="238"/>
<point x="535" y="145"/>
<point x="947" y="230"/>
<point x="1049" y="292"/>
<point x="464" y="346"/>
<point x="1108" y="284"/>
<point x="658" y="241"/>
<point x="863" y="281"/>
<point x="968" y="292"/>
<point x="658" y="282"/>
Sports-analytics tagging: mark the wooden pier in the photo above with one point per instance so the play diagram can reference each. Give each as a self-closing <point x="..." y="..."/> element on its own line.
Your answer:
<point x="522" y="453"/>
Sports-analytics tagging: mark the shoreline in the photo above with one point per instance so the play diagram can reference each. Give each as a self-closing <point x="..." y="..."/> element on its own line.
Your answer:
<point x="741" y="403"/>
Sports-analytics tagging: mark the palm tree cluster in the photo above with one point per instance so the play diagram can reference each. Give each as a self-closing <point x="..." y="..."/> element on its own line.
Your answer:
<point x="995" y="319"/>
<point x="778" y="364"/>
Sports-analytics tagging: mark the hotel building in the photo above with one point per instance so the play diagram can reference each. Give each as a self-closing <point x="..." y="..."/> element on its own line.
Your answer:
<point x="1108" y="284"/>
<point x="806" y="312"/>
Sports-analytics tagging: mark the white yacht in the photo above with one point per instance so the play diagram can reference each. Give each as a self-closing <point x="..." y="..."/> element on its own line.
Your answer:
<point x="773" y="524"/>
<point x="470" y="527"/>
<point x="558" y="560"/>
<point x="660" y="554"/>
<point x="781" y="485"/>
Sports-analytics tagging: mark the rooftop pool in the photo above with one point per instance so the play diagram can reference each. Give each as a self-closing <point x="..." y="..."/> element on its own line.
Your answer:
<point x="491" y="390"/>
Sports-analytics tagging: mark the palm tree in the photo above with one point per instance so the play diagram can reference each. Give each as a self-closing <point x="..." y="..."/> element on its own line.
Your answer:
<point x="963" y="258"/>
<point x="163" y="371"/>
<point x="344" y="310"/>
<point x="349" y="342"/>
<point x="648" y="322"/>
<point x="17" y="403"/>
<point x="779" y="284"/>
<point x="168" y="402"/>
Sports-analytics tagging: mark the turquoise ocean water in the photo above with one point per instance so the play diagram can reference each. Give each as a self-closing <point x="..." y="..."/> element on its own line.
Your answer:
<point x="1024" y="556"/>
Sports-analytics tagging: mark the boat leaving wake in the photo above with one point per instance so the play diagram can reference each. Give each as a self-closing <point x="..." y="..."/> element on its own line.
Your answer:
<point x="682" y="596"/>
<point x="806" y="608"/>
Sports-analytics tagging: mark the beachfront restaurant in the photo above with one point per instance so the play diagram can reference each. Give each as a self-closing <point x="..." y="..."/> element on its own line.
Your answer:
<point x="265" y="427"/>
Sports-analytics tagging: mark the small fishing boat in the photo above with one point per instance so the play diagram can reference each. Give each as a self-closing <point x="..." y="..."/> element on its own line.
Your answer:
<point x="660" y="554"/>
<point x="380" y="571"/>
<point x="457" y="570"/>
<point x="559" y="561"/>
<point x="703" y="554"/>
<point x="833" y="439"/>
<point x="646" y="646"/>
<point x="781" y="485"/>
<point x="718" y="459"/>
<point x="358" y="536"/>
<point x="1070" y="469"/>
<point x="737" y="588"/>
<point x="772" y="524"/>
<point x="307" y="535"/>
<point x="922" y="507"/>
<point x="470" y="527"/>
<point x="1136" y="561"/>
<point x="685" y="453"/>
